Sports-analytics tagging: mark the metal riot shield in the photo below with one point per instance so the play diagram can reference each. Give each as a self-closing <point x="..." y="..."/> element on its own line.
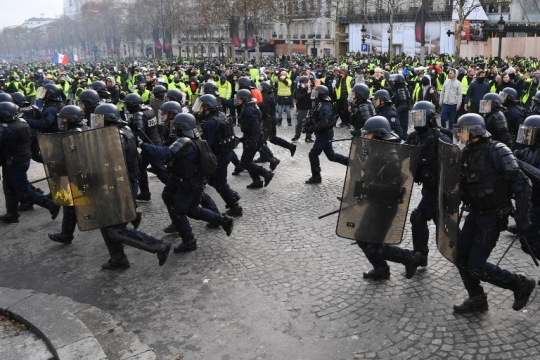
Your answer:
<point x="449" y="200"/>
<point x="99" y="178"/>
<point x="97" y="121"/>
<point x="155" y="104"/>
<point x="377" y="191"/>
<point x="54" y="162"/>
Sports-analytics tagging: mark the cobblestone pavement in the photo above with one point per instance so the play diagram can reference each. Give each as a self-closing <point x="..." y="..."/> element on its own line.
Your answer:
<point x="283" y="286"/>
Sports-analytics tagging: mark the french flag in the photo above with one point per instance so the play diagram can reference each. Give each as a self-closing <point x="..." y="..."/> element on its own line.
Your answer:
<point x="75" y="58"/>
<point x="60" y="58"/>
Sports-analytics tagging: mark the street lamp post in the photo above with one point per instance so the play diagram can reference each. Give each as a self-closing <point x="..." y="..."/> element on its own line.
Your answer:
<point x="220" y="44"/>
<point x="179" y="49"/>
<point x="314" y="51"/>
<point x="363" y="30"/>
<point x="389" y="31"/>
<point x="500" y="26"/>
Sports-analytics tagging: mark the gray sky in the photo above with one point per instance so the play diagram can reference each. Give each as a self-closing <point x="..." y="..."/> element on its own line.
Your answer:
<point x="14" y="12"/>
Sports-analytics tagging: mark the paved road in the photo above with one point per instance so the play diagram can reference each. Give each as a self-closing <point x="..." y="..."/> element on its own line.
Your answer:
<point x="283" y="286"/>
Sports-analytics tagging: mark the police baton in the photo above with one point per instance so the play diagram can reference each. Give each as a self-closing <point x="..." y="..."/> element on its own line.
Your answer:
<point x="519" y="236"/>
<point x="147" y="138"/>
<point x="335" y="140"/>
<point x="328" y="214"/>
<point x="38" y="180"/>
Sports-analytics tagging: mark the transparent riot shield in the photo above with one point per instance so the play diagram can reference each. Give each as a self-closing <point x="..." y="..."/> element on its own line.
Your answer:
<point x="54" y="162"/>
<point x="377" y="191"/>
<point x="449" y="200"/>
<point x="155" y="104"/>
<point x="97" y="121"/>
<point x="99" y="178"/>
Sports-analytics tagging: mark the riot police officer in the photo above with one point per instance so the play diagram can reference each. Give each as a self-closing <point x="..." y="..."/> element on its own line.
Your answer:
<point x="529" y="136"/>
<point x="72" y="119"/>
<point x="88" y="101"/>
<point x="218" y="132"/>
<point x="495" y="120"/>
<point x="250" y="125"/>
<point x="384" y="107"/>
<point x="144" y="125"/>
<point x="402" y="101"/>
<point x="52" y="104"/>
<point x="182" y="193"/>
<point x="116" y="236"/>
<point x="426" y="135"/>
<point x="535" y="109"/>
<point x="322" y="124"/>
<point x="377" y="253"/>
<point x="361" y="108"/>
<point x="489" y="174"/>
<point x="15" y="160"/>
<point x="514" y="114"/>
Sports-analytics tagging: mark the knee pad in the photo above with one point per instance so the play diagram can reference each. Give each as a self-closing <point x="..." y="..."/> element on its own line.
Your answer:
<point x="478" y="273"/>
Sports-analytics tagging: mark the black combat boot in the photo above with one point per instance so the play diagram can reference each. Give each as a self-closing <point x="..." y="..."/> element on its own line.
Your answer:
<point x="235" y="210"/>
<point x="268" y="177"/>
<point x="378" y="273"/>
<point x="162" y="255"/>
<point x="523" y="288"/>
<point x="117" y="261"/>
<point x="9" y="218"/>
<point x="289" y="122"/>
<point x="274" y="162"/>
<point x="412" y="263"/>
<point x="476" y="303"/>
<point x="295" y="138"/>
<point x="61" y="238"/>
<point x="144" y="196"/>
<point x="186" y="246"/>
<point x="137" y="222"/>
<point x="227" y="224"/>
<point x="25" y="206"/>
<point x="314" y="180"/>
<point x="256" y="185"/>
<point x="279" y="122"/>
<point x="292" y="149"/>
<point x="171" y="229"/>
<point x="238" y="170"/>
<point x="308" y="139"/>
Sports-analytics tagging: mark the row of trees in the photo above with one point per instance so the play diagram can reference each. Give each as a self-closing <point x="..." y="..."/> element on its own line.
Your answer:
<point x="127" y="29"/>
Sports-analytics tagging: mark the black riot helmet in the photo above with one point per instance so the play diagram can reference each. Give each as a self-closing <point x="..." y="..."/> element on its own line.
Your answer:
<point x="159" y="92"/>
<point x="244" y="82"/>
<point x="71" y="114"/>
<point x="171" y="109"/>
<point x="206" y="102"/>
<point x="210" y="88"/>
<point x="6" y="97"/>
<point x="380" y="127"/>
<point x="19" y="99"/>
<point x="397" y="79"/>
<point x="8" y="110"/>
<point x="89" y="99"/>
<point x="185" y="125"/>
<point x="529" y="131"/>
<point x="244" y="95"/>
<point x="423" y="115"/>
<point x="111" y="114"/>
<point x="469" y="126"/>
<point x="174" y="95"/>
<point x="266" y="87"/>
<point x="383" y="96"/>
<point x="536" y="99"/>
<point x="133" y="102"/>
<point x="53" y="92"/>
<point x="493" y="99"/>
<point x="361" y="91"/>
<point x="508" y="95"/>
<point x="320" y="93"/>
<point x="98" y="86"/>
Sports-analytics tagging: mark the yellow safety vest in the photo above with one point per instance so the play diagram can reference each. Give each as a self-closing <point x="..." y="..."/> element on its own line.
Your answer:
<point x="284" y="90"/>
<point x="348" y="80"/>
<point x="225" y="90"/>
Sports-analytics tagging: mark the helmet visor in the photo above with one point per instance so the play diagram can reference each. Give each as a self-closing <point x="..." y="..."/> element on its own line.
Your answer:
<point x="417" y="119"/>
<point x="461" y="135"/>
<point x="314" y="94"/>
<point x="62" y="123"/>
<point x="503" y="96"/>
<point x="197" y="106"/>
<point x="485" y="107"/>
<point x="41" y="93"/>
<point x="527" y="135"/>
<point x="97" y="121"/>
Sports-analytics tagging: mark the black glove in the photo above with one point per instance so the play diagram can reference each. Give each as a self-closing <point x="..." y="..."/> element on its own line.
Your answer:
<point x="523" y="223"/>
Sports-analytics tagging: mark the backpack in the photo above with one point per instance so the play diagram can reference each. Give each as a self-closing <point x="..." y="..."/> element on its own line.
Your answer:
<point x="207" y="161"/>
<point x="224" y="141"/>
